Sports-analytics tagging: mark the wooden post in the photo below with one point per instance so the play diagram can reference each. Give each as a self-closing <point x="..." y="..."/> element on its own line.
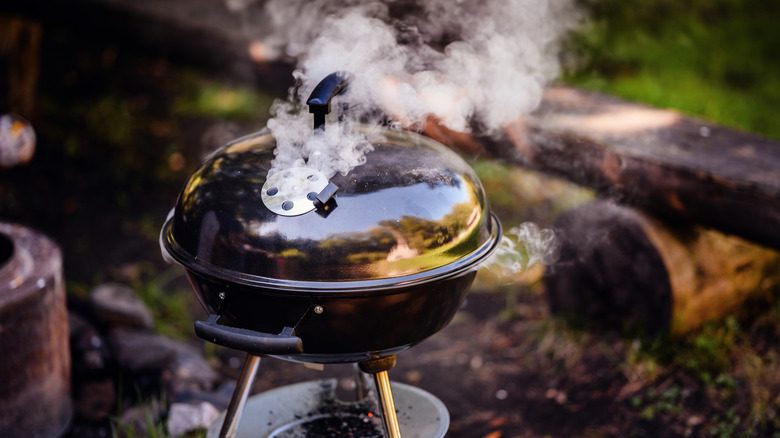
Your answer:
<point x="622" y="269"/>
<point x="35" y="397"/>
<point x="19" y="59"/>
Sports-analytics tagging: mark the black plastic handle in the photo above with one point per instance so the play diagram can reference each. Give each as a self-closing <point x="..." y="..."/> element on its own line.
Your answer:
<point x="250" y="341"/>
<point x="319" y="99"/>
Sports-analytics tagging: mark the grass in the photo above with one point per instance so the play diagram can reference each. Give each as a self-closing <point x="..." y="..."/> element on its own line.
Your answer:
<point x="210" y="98"/>
<point x="171" y="305"/>
<point x="711" y="59"/>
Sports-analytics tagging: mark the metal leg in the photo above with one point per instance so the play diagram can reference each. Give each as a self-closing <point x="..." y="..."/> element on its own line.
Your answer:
<point x="361" y="385"/>
<point x="378" y="368"/>
<point x="382" y="381"/>
<point x="240" y="394"/>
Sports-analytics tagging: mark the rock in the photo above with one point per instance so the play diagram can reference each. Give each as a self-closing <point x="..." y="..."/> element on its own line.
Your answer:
<point x="219" y="397"/>
<point x="181" y="366"/>
<point x="90" y="356"/>
<point x="140" y="350"/>
<point x="186" y="418"/>
<point x="137" y="420"/>
<point x="95" y="400"/>
<point x="118" y="305"/>
<point x="17" y="140"/>
<point x="87" y="429"/>
<point x="94" y="388"/>
<point x="189" y="372"/>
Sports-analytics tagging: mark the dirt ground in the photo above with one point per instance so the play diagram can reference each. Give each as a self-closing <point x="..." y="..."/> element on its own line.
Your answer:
<point x="515" y="377"/>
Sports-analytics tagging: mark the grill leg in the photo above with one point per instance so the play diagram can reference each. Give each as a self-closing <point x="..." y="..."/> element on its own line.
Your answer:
<point x="382" y="382"/>
<point x="361" y="385"/>
<point x="240" y="394"/>
<point x="378" y="369"/>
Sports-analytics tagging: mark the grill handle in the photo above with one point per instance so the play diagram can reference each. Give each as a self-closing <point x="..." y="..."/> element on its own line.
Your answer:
<point x="250" y="341"/>
<point x="319" y="99"/>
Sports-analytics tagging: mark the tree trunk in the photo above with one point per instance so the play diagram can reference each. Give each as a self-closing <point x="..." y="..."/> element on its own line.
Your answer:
<point x="35" y="361"/>
<point x="622" y="269"/>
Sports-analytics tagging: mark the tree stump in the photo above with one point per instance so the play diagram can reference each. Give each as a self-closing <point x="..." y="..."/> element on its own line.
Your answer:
<point x="35" y="397"/>
<point x="621" y="269"/>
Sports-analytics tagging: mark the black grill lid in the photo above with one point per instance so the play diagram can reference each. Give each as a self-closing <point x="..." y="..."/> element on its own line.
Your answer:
<point x="415" y="210"/>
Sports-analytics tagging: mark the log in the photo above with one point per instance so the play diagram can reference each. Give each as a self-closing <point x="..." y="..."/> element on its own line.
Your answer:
<point x="658" y="160"/>
<point x="622" y="269"/>
<point x="35" y="362"/>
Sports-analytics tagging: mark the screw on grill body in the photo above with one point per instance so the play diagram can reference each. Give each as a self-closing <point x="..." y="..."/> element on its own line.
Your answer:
<point x="318" y="309"/>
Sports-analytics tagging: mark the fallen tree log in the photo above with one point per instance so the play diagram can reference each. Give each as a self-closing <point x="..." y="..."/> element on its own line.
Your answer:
<point x="622" y="269"/>
<point x="657" y="160"/>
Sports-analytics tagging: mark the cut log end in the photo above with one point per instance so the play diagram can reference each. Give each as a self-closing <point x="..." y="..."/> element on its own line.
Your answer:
<point x="609" y="274"/>
<point x="621" y="269"/>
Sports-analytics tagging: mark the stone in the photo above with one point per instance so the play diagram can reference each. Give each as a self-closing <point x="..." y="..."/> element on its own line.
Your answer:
<point x="185" y="418"/>
<point x="219" y="397"/>
<point x="141" y="350"/>
<point x="189" y="372"/>
<point x="118" y="305"/>
<point x="137" y="420"/>
<point x="90" y="356"/>
<point x="95" y="400"/>
<point x="180" y="365"/>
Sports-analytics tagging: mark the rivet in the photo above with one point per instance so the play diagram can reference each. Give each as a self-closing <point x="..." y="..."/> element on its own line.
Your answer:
<point x="222" y="295"/>
<point x="318" y="309"/>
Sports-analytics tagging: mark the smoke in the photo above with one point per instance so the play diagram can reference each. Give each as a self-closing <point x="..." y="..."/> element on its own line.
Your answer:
<point x="522" y="247"/>
<point x="468" y="64"/>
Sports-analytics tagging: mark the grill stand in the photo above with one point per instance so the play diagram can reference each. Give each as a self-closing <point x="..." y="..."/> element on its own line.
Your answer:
<point x="378" y="368"/>
<point x="240" y="394"/>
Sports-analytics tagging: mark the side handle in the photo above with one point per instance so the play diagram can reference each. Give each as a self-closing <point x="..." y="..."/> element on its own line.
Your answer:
<point x="250" y="341"/>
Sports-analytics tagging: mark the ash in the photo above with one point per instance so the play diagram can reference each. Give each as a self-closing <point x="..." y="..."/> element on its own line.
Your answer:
<point x="335" y="418"/>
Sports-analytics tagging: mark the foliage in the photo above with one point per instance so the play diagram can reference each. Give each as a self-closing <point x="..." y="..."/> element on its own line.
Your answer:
<point x="518" y="195"/>
<point x="170" y="305"/>
<point x="204" y="97"/>
<point x="712" y="59"/>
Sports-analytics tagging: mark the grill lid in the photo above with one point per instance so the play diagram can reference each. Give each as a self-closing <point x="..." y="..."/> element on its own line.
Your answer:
<point x="413" y="211"/>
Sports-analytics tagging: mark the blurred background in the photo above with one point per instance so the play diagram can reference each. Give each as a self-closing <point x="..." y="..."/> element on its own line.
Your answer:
<point x="121" y="118"/>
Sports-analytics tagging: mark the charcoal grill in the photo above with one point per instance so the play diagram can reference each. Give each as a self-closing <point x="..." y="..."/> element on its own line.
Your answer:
<point x="305" y="266"/>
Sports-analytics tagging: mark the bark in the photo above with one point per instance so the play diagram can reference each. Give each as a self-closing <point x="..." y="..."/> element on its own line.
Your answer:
<point x="622" y="269"/>
<point x="658" y="160"/>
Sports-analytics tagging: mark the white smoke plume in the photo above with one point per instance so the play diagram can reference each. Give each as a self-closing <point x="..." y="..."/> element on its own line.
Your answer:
<point x="522" y="247"/>
<point x="465" y="63"/>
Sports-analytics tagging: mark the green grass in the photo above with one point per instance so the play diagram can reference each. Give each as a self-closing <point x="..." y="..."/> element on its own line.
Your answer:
<point x="214" y="99"/>
<point x="711" y="59"/>
<point x="170" y="305"/>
